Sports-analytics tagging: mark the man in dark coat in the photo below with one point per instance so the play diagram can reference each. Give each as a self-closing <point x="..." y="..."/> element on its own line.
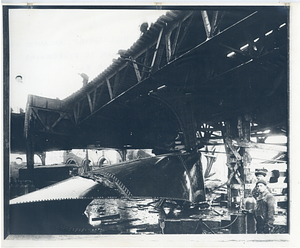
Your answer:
<point x="265" y="208"/>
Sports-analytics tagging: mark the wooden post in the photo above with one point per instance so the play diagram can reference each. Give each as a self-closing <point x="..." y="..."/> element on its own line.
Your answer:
<point x="227" y="134"/>
<point x="238" y="160"/>
<point x="86" y="165"/>
<point x="29" y="137"/>
<point x="246" y="162"/>
<point x="244" y="136"/>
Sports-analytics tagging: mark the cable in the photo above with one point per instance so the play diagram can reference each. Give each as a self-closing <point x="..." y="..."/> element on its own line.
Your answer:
<point x="218" y="228"/>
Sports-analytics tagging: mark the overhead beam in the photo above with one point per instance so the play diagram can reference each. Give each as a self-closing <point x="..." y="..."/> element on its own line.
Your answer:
<point x="272" y="147"/>
<point x="61" y="116"/>
<point x="232" y="30"/>
<point x="94" y="98"/>
<point x="39" y="118"/>
<point x="174" y="46"/>
<point x="109" y="88"/>
<point x="158" y="44"/>
<point x="206" y="23"/>
<point x="116" y="82"/>
<point x="168" y="47"/>
<point x="189" y="21"/>
<point x="90" y="102"/>
<point x="136" y="70"/>
<point x="214" y="23"/>
<point x="76" y="111"/>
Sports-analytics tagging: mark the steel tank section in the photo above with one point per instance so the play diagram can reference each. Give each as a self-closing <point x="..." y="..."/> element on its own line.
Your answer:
<point x="167" y="176"/>
<point x="60" y="208"/>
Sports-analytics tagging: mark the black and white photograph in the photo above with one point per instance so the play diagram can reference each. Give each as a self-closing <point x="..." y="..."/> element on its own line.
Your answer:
<point x="144" y="120"/>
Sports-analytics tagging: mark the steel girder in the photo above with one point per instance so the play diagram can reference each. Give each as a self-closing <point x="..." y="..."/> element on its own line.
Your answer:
<point x="224" y="62"/>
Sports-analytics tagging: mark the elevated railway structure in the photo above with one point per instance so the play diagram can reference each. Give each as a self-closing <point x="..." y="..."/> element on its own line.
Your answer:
<point x="195" y="77"/>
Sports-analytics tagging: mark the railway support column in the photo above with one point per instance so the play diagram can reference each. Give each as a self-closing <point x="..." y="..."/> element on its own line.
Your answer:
<point x="29" y="137"/>
<point x="30" y="154"/>
<point x="122" y="153"/>
<point x="42" y="156"/>
<point x="188" y="123"/>
<point x="237" y="138"/>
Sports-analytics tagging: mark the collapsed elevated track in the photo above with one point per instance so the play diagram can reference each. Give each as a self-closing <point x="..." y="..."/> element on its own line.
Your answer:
<point x="195" y="77"/>
<point x="184" y="78"/>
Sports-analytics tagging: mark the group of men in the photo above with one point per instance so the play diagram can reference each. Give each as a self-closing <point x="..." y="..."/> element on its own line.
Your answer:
<point x="265" y="204"/>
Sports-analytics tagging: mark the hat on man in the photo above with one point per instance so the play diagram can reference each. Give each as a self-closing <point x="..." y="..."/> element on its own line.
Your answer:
<point x="261" y="181"/>
<point x="262" y="171"/>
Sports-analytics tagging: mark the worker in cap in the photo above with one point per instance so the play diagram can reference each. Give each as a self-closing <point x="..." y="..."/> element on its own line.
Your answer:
<point x="261" y="181"/>
<point x="265" y="208"/>
<point x="260" y="175"/>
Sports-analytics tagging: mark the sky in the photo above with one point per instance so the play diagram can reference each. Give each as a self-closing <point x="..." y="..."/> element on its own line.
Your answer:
<point x="48" y="47"/>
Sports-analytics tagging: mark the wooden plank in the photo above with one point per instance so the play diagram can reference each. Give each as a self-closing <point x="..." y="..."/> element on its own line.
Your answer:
<point x="229" y="144"/>
<point x="236" y="186"/>
<point x="277" y="185"/>
<point x="273" y="147"/>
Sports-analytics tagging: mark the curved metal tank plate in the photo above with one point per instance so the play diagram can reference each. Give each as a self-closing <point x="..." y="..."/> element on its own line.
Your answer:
<point x="176" y="177"/>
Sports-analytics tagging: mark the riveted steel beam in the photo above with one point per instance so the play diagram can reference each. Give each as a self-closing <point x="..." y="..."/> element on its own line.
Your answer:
<point x="109" y="88"/>
<point x="206" y="23"/>
<point x="158" y="49"/>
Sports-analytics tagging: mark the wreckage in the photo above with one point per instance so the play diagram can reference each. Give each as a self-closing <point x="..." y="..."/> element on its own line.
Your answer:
<point x="192" y="79"/>
<point x="173" y="177"/>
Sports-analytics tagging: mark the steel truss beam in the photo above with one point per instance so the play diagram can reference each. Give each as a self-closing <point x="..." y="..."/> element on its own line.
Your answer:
<point x="155" y="60"/>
